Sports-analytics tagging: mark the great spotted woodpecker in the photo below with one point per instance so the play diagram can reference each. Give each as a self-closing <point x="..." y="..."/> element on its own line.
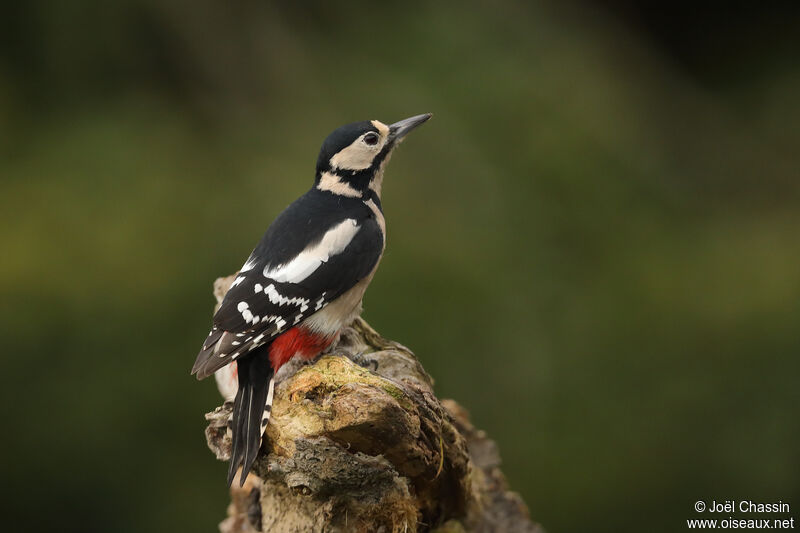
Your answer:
<point x="305" y="280"/>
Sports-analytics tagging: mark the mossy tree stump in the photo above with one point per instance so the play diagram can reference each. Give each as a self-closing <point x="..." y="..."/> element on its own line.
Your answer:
<point x="358" y="442"/>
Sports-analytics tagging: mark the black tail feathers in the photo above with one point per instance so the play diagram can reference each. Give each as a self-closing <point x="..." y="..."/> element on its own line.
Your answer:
<point x="249" y="417"/>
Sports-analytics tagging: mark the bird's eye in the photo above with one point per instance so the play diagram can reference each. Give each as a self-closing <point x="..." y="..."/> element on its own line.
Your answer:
<point x="371" y="138"/>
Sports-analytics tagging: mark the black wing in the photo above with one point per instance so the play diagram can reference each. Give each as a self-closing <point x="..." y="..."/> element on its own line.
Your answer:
<point x="257" y="308"/>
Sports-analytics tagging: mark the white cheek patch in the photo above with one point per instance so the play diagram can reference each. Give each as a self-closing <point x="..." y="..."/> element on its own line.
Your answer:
<point x="306" y="262"/>
<point x="357" y="156"/>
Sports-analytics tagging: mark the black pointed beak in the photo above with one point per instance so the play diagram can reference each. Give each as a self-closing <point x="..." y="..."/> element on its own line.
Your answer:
<point x="399" y="129"/>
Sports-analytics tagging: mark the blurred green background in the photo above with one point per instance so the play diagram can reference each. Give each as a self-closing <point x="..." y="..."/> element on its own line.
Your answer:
<point x="593" y="246"/>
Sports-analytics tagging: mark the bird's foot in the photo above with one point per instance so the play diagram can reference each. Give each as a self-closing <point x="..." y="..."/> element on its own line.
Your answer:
<point x="364" y="360"/>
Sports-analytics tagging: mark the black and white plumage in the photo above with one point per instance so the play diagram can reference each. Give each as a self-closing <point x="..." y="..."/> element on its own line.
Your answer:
<point x="306" y="278"/>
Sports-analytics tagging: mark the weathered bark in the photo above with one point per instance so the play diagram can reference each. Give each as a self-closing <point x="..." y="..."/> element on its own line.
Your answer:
<point x="358" y="442"/>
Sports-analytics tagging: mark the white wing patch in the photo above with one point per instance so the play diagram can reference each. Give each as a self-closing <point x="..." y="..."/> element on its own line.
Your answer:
<point x="247" y="314"/>
<point x="278" y="299"/>
<point x="333" y="242"/>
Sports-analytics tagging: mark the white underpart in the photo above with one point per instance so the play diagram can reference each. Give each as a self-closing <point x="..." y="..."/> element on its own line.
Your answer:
<point x="358" y="155"/>
<point x="331" y="182"/>
<point x="340" y="312"/>
<point x="306" y="262"/>
<point x="227" y="381"/>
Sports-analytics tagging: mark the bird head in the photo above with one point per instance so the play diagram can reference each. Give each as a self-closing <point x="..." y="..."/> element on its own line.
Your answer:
<point x="353" y="157"/>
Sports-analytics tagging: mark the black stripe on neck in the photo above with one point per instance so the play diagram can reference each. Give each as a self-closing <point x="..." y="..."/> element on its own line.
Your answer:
<point x="372" y="195"/>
